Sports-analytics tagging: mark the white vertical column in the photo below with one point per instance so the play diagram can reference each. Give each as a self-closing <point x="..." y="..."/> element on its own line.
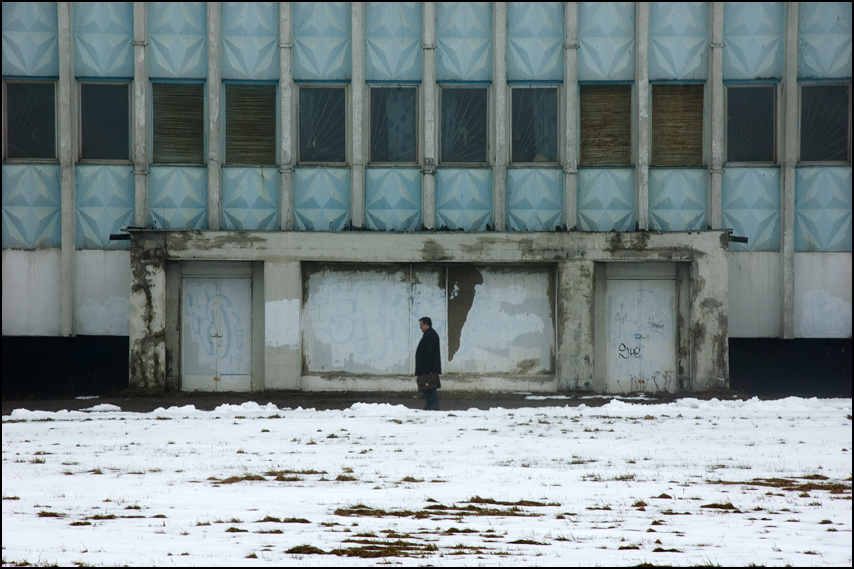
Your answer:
<point x="642" y="89"/>
<point x="66" y="107"/>
<point x="430" y="92"/>
<point x="718" y="118"/>
<point x="214" y="129"/>
<point x="789" y="159"/>
<point x="502" y="113"/>
<point x="357" y="105"/>
<point x="570" y="82"/>
<point x="287" y="117"/>
<point x="140" y="111"/>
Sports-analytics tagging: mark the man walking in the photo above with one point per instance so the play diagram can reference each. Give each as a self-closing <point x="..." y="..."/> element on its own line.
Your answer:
<point x="428" y="364"/>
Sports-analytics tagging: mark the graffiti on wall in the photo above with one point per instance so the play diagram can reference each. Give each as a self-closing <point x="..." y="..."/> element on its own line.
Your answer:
<point x="358" y="321"/>
<point x="825" y="316"/>
<point x="488" y="320"/>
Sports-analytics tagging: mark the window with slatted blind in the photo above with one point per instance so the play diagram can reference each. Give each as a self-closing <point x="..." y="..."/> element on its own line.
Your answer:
<point x="179" y="123"/>
<point x="250" y="125"/>
<point x="677" y="125"/>
<point x="606" y="125"/>
<point x="826" y="123"/>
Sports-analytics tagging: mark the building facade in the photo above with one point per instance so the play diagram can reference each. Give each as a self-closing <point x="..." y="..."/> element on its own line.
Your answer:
<point x="607" y="197"/>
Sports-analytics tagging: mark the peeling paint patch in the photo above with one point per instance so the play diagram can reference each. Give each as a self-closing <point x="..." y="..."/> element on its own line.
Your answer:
<point x="281" y="323"/>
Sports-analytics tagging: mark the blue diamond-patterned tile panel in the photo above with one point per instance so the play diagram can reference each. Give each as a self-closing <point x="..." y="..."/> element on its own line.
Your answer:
<point x="606" y="41"/>
<point x="534" y="199"/>
<point x="177" y="197"/>
<point x="103" y="36"/>
<point x="824" y="30"/>
<point x="250" y="199"/>
<point x="606" y="199"/>
<point x="250" y="40"/>
<point x="464" y="198"/>
<point x="105" y="204"/>
<point x="177" y="40"/>
<point x="753" y="40"/>
<point x="393" y="199"/>
<point x="678" y="40"/>
<point x="30" y="39"/>
<point x="535" y="39"/>
<point x="677" y="199"/>
<point x="321" y="199"/>
<point x="464" y="41"/>
<point x="322" y="46"/>
<point x="32" y="203"/>
<point x="823" y="209"/>
<point x="750" y="206"/>
<point x="393" y="41"/>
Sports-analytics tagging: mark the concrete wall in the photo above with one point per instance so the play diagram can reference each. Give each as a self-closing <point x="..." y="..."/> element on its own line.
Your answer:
<point x="310" y="279"/>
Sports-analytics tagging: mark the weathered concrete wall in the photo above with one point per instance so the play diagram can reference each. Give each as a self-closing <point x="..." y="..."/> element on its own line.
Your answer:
<point x="288" y="363"/>
<point x="148" y="312"/>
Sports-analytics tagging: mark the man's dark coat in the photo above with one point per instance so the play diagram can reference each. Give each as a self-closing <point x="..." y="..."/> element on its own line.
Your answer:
<point x="427" y="357"/>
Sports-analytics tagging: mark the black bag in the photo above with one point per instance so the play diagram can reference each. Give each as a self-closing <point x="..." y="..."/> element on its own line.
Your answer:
<point x="428" y="381"/>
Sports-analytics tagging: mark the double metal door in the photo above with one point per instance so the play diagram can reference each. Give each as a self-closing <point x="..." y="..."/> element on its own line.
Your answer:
<point x="216" y="334"/>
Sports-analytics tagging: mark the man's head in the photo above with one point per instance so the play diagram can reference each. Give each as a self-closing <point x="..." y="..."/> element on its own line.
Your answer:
<point x="425" y="323"/>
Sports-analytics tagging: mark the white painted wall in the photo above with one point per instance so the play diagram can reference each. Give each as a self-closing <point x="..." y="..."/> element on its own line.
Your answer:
<point x="31" y="292"/>
<point x="822" y="295"/>
<point x="102" y="293"/>
<point x="755" y="295"/>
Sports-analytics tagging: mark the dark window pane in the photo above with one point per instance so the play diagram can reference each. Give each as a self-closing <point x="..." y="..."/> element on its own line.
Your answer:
<point x="677" y="125"/>
<point x="606" y="125"/>
<point x="104" y="122"/>
<point x="535" y="125"/>
<point x="250" y="124"/>
<point x="30" y="120"/>
<point x="322" y="124"/>
<point x="750" y="124"/>
<point x="393" y="127"/>
<point x="825" y="123"/>
<point x="463" y="136"/>
<point x="179" y="129"/>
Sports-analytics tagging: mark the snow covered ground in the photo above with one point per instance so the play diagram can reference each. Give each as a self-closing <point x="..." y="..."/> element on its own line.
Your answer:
<point x="685" y="483"/>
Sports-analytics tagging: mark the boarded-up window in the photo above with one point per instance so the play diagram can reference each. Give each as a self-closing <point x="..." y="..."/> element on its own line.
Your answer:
<point x="750" y="124"/>
<point x="29" y="120"/>
<point x="677" y="125"/>
<point x="105" y="121"/>
<point x="250" y="124"/>
<point x="322" y="124"/>
<point x="535" y="124"/>
<point x="826" y="123"/>
<point x="179" y="123"/>
<point x="606" y="125"/>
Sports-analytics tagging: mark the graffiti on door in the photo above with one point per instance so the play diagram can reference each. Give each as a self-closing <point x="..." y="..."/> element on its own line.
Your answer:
<point x="217" y="325"/>
<point x="641" y="335"/>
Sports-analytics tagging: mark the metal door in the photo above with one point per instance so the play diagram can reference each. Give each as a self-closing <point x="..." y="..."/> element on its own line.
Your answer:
<point x="641" y="350"/>
<point x="216" y="334"/>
